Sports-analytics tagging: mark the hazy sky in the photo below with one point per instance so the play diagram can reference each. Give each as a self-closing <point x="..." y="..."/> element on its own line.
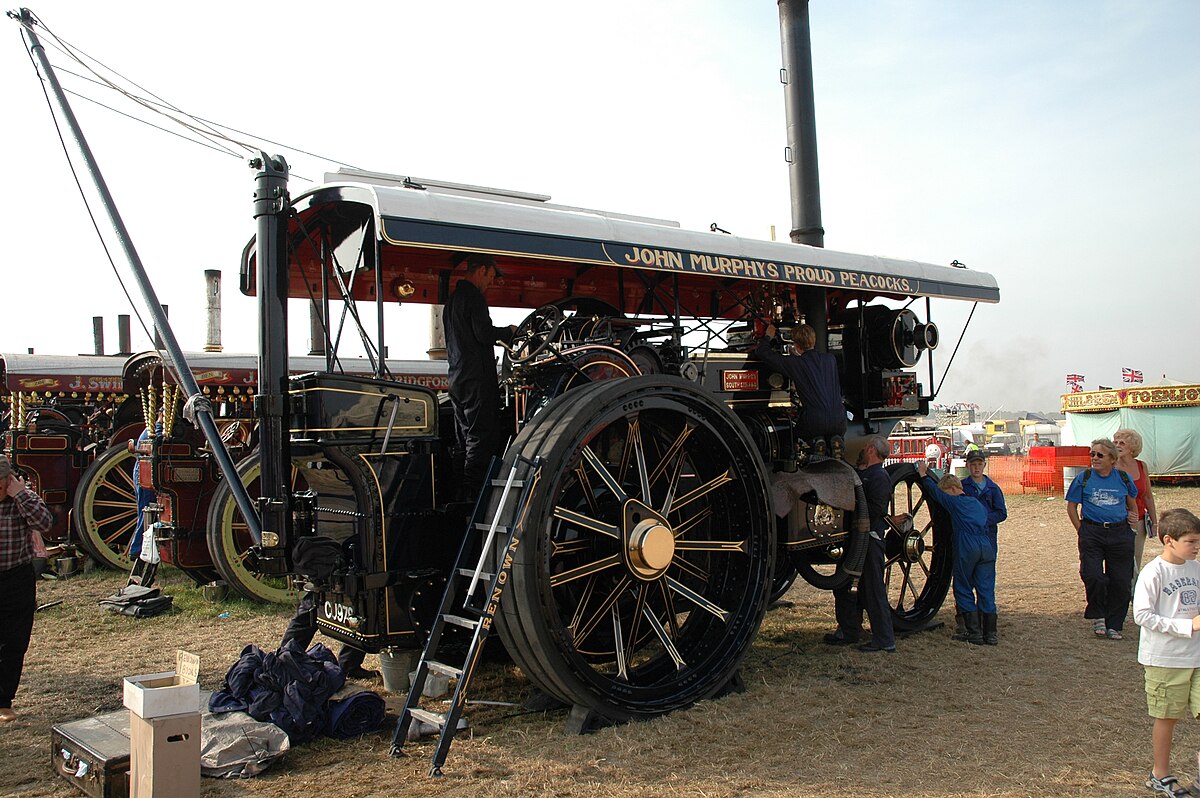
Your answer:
<point x="1053" y="144"/>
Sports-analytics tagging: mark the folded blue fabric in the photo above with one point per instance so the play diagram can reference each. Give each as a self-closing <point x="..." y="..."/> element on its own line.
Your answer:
<point x="355" y="715"/>
<point x="289" y="687"/>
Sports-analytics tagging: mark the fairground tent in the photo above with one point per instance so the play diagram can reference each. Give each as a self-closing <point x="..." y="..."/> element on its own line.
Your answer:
<point x="1167" y="416"/>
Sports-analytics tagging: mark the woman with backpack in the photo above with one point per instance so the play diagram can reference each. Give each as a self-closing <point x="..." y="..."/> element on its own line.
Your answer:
<point x="1101" y="505"/>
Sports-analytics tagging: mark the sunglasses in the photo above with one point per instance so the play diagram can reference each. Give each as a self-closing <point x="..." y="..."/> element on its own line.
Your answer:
<point x="1099" y="454"/>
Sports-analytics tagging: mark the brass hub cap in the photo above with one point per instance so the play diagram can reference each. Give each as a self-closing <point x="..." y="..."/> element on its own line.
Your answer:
<point x="649" y="541"/>
<point x="651" y="548"/>
<point x="914" y="547"/>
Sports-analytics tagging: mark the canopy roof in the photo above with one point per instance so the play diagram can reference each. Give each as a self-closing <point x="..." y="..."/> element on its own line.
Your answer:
<point x="60" y="373"/>
<point x="548" y="251"/>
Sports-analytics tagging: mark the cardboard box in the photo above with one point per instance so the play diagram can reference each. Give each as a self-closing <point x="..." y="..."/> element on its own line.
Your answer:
<point x="164" y="756"/>
<point x="155" y="695"/>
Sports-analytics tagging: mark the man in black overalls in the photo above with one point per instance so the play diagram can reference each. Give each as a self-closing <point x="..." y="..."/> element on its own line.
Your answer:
<point x="814" y="375"/>
<point x="872" y="591"/>
<point x="470" y="341"/>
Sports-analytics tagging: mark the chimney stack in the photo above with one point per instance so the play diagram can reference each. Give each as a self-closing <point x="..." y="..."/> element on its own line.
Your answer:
<point x="98" y="334"/>
<point x="212" y="291"/>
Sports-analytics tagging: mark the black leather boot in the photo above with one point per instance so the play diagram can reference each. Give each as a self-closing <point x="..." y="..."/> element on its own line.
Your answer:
<point x="990" y="636"/>
<point x="974" y="628"/>
<point x="960" y="627"/>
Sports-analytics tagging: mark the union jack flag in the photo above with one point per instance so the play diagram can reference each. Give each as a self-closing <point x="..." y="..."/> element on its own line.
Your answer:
<point x="1076" y="387"/>
<point x="1074" y="378"/>
<point x="1130" y="375"/>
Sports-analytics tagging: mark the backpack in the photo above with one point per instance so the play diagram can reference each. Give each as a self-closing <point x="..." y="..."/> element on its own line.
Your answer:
<point x="1124" y="478"/>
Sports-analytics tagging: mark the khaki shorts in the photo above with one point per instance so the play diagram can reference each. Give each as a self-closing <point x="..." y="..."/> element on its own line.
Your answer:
<point x="1169" y="691"/>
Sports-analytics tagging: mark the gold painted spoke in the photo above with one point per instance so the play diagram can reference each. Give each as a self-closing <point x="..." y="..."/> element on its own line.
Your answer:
<point x="123" y="530"/>
<point x="579" y="519"/>
<point x="669" y="605"/>
<point x="642" y="594"/>
<point x="711" y="545"/>
<point x="672" y="484"/>
<point x="619" y="647"/>
<point x="558" y="580"/>
<point x="583" y="602"/>
<point x="570" y="547"/>
<point x="673" y="456"/>
<point x="690" y="569"/>
<point x="921" y="563"/>
<point x="602" y="471"/>
<point x="664" y="638"/>
<point x="697" y="599"/>
<point x="683" y="527"/>
<point x="586" y="485"/>
<point x="702" y="490"/>
<point x="581" y="633"/>
<point x="639" y="454"/>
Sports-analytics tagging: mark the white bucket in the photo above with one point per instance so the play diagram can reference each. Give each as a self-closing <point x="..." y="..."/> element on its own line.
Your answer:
<point x="436" y="684"/>
<point x="1069" y="474"/>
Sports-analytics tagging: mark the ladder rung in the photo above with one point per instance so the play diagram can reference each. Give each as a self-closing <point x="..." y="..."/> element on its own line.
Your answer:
<point x="483" y="527"/>
<point x="458" y="620"/>
<point x="443" y="669"/>
<point x="500" y="483"/>
<point x="436" y="718"/>
<point x="484" y="575"/>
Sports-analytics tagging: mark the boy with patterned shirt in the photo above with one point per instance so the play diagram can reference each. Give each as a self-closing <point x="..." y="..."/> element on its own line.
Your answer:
<point x="1166" y="605"/>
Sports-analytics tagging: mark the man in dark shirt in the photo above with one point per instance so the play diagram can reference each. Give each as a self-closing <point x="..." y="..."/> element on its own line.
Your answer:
<point x="22" y="514"/>
<point x="872" y="592"/>
<point x="470" y="341"/>
<point x="815" y="377"/>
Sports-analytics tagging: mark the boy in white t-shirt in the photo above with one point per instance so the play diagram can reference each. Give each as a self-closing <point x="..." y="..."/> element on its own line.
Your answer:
<point x="1166" y="605"/>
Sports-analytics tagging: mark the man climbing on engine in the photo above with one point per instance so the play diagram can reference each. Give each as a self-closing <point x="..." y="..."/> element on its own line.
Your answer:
<point x="814" y="376"/>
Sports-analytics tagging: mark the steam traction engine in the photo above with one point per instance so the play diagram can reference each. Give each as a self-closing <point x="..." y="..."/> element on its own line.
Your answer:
<point x="649" y="546"/>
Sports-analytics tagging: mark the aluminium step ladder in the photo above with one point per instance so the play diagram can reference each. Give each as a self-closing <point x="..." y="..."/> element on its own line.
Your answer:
<point x="471" y="600"/>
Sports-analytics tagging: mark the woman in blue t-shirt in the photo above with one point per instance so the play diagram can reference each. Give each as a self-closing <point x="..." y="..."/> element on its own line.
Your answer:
<point x="1100" y="504"/>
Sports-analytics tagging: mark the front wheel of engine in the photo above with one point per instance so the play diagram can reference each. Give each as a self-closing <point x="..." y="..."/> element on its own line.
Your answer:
<point x="644" y="566"/>
<point x="919" y="562"/>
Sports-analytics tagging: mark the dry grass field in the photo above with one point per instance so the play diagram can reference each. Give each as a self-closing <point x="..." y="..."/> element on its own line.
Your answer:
<point x="1051" y="711"/>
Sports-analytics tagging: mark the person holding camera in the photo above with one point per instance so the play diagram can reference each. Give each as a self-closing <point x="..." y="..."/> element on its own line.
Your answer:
<point x="23" y="514"/>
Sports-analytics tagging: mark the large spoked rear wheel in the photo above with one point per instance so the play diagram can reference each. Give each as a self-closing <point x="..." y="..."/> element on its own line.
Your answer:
<point x="645" y="565"/>
<point x="920" y="559"/>
<point x="229" y="542"/>
<point x="105" y="511"/>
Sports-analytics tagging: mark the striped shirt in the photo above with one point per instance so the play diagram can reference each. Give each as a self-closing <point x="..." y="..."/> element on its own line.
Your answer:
<point x="20" y="517"/>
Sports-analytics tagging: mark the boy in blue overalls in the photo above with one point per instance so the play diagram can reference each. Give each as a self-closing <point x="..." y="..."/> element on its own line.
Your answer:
<point x="989" y="494"/>
<point x="974" y="551"/>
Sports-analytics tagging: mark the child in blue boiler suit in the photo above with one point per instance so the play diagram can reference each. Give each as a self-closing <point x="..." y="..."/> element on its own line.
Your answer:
<point x="974" y="553"/>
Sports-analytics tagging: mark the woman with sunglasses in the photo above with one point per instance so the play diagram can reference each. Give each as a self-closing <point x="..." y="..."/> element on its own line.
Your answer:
<point x="1101" y="503"/>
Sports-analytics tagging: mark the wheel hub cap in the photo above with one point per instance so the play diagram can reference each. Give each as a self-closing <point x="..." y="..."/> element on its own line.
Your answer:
<point x="649" y="542"/>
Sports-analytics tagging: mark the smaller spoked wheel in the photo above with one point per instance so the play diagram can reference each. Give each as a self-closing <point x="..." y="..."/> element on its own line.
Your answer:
<point x="535" y="333"/>
<point x="105" y="511"/>
<point x="229" y="542"/>
<point x="919" y="560"/>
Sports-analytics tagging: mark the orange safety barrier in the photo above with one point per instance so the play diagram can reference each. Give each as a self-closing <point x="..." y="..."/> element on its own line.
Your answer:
<point x="1040" y="471"/>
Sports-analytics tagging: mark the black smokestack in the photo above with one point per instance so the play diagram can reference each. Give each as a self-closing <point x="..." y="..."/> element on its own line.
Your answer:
<point x="800" y="111"/>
